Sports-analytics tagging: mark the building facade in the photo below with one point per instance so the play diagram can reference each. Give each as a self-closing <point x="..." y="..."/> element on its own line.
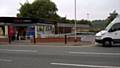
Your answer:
<point x="69" y="28"/>
<point x="12" y="28"/>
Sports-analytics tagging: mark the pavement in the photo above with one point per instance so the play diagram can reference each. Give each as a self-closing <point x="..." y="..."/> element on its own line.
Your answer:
<point x="86" y="41"/>
<point x="73" y="44"/>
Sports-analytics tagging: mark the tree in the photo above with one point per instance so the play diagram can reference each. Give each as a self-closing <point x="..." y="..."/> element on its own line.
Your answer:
<point x="101" y="24"/>
<point x="39" y="9"/>
<point x="87" y="22"/>
<point x="25" y="10"/>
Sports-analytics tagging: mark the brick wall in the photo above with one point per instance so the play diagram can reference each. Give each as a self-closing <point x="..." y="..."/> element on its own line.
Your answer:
<point x="4" y="41"/>
<point x="55" y="40"/>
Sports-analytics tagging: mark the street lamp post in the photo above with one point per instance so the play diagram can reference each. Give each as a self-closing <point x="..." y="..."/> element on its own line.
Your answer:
<point x="88" y="16"/>
<point x="75" y="20"/>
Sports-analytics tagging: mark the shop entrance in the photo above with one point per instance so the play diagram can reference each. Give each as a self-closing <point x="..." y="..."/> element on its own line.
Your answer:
<point x="19" y="28"/>
<point x="21" y="32"/>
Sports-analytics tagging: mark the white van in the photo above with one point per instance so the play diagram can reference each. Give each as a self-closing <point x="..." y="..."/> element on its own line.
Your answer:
<point x="111" y="35"/>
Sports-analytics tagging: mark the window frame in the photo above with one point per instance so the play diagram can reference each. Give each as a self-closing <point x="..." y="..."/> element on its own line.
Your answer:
<point x="114" y="28"/>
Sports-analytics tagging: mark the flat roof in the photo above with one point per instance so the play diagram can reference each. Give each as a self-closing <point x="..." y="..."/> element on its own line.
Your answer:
<point x="16" y="20"/>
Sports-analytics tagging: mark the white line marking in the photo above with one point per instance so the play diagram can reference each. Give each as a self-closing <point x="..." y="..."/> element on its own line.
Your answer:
<point x="82" y="65"/>
<point x="19" y="50"/>
<point x="93" y="53"/>
<point x="5" y="60"/>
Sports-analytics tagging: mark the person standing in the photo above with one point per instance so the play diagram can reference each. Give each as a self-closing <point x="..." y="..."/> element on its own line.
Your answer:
<point x="11" y="33"/>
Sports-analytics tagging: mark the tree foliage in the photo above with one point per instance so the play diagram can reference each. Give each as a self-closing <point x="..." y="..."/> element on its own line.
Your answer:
<point x="101" y="24"/>
<point x="39" y="9"/>
<point x="84" y="22"/>
<point x="25" y="10"/>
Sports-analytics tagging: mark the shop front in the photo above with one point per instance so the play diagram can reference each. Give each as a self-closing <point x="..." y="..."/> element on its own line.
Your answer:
<point x="3" y="33"/>
<point x="17" y="29"/>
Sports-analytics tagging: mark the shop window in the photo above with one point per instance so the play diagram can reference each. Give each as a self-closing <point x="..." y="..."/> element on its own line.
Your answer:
<point x="48" y="28"/>
<point x="2" y="30"/>
<point x="40" y="28"/>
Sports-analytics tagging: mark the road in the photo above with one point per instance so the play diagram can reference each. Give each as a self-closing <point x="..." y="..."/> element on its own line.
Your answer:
<point x="59" y="57"/>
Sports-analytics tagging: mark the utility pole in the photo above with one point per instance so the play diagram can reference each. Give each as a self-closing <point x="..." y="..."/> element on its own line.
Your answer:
<point x="27" y="1"/>
<point x="88" y="16"/>
<point x="75" y="20"/>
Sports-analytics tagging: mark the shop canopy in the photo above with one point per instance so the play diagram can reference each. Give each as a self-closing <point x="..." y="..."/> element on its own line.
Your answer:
<point x="16" y="20"/>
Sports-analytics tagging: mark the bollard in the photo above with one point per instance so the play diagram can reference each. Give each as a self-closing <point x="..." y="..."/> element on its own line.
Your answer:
<point x="34" y="39"/>
<point x="9" y="39"/>
<point x="65" y="39"/>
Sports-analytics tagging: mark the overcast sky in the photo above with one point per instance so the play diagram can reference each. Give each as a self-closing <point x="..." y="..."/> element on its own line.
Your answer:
<point x="86" y="9"/>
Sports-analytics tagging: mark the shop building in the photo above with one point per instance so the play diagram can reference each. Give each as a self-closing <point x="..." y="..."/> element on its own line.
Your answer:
<point x="13" y="28"/>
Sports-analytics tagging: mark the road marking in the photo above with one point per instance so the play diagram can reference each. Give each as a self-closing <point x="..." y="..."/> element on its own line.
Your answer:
<point x="94" y="53"/>
<point x="19" y="50"/>
<point x="82" y="65"/>
<point x="5" y="60"/>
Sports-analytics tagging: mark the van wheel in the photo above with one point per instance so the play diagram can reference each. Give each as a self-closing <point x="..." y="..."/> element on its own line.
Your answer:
<point x="107" y="43"/>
